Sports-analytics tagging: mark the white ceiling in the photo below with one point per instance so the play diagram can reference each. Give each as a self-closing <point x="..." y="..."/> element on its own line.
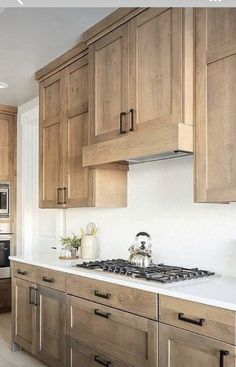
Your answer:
<point x="32" y="37"/>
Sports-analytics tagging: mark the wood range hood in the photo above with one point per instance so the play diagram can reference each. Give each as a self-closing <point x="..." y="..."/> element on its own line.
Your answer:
<point x="170" y="140"/>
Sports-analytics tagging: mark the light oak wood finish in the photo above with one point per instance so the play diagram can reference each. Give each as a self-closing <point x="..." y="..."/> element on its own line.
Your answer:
<point x="51" y="278"/>
<point x="5" y="292"/>
<point x="129" y="338"/>
<point x="7" y="146"/>
<point x="23" y="271"/>
<point x="124" y="298"/>
<point x="215" y="173"/>
<point x="218" y="323"/>
<point x="51" y="327"/>
<point x="179" y="348"/>
<point x="79" y="355"/>
<point x="23" y="314"/>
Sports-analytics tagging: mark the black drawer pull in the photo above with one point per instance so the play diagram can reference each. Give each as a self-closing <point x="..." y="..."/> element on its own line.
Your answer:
<point x="59" y="190"/>
<point x="190" y="321"/>
<point x="103" y="363"/>
<point x="102" y="314"/>
<point x="21" y="272"/>
<point x="48" y="280"/>
<point x="121" y="123"/>
<point x="30" y="296"/>
<point x="132" y="119"/>
<point x="102" y="295"/>
<point x="223" y="353"/>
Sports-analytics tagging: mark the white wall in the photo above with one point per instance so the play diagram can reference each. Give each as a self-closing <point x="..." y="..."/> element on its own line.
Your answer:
<point x="161" y="203"/>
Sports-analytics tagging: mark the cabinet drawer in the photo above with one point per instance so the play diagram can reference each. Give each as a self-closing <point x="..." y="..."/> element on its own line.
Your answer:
<point x="124" y="298"/>
<point x="79" y="355"/>
<point x="210" y="321"/>
<point x="24" y="271"/>
<point x="126" y="337"/>
<point x="51" y="278"/>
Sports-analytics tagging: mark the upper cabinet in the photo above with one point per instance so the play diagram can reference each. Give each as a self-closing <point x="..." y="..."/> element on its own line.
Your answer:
<point x="64" y="182"/>
<point x="141" y="87"/>
<point x="7" y="143"/>
<point x="215" y="137"/>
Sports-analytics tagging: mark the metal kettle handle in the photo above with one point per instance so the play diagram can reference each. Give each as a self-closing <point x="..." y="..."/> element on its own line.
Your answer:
<point x="143" y="234"/>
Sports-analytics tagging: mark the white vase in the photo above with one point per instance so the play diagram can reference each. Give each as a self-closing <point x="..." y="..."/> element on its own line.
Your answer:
<point x="89" y="247"/>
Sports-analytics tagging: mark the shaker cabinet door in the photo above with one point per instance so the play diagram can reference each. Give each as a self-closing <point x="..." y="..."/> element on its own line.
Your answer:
<point x="215" y="164"/>
<point x="51" y="153"/>
<point x="108" y="93"/>
<point x="179" y="348"/>
<point x="7" y="150"/>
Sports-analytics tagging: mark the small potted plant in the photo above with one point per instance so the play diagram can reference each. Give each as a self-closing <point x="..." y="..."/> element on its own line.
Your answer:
<point x="71" y="243"/>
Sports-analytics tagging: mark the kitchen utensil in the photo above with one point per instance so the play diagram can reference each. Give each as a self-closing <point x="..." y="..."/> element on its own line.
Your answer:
<point x="140" y="252"/>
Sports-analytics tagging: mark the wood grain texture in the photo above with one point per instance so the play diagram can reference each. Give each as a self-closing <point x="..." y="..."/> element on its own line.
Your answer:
<point x="129" y="338"/>
<point x="23" y="271"/>
<point x="219" y="323"/>
<point x="124" y="298"/>
<point x="180" y="348"/>
<point x="7" y="146"/>
<point x="8" y="110"/>
<point x="57" y="278"/>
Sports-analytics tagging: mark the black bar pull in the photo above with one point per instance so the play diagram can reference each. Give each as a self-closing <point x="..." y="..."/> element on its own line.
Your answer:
<point x="190" y="321"/>
<point x="132" y="119"/>
<point x="59" y="190"/>
<point x="223" y="353"/>
<point x="21" y="272"/>
<point x="101" y="295"/>
<point x="48" y="280"/>
<point x="102" y="314"/>
<point x="30" y="296"/>
<point x="103" y="363"/>
<point x="65" y="196"/>
<point x="121" y="123"/>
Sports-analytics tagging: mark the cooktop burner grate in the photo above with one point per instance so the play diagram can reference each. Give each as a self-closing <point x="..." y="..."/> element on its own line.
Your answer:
<point x="155" y="272"/>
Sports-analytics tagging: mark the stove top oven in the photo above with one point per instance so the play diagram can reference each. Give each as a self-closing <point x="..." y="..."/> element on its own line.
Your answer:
<point x="5" y="249"/>
<point x="4" y="200"/>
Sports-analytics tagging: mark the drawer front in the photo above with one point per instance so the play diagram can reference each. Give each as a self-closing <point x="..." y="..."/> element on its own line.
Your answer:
<point x="79" y="355"/>
<point x="124" y="298"/>
<point x="51" y="278"/>
<point x="210" y="321"/>
<point x="24" y="271"/>
<point x="126" y="337"/>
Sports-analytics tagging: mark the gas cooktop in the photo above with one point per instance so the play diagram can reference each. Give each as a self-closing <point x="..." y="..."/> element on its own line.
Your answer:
<point x="155" y="272"/>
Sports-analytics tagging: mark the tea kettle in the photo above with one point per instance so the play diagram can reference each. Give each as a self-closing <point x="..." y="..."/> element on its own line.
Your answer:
<point x="140" y="252"/>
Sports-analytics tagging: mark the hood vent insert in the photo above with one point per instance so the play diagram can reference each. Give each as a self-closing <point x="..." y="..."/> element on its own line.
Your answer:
<point x="159" y="157"/>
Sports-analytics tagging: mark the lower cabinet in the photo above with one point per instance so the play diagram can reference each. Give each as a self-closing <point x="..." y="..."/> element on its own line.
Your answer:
<point x="51" y="326"/>
<point x="128" y="338"/>
<point x="79" y="355"/>
<point x="180" y="348"/>
<point x="5" y="295"/>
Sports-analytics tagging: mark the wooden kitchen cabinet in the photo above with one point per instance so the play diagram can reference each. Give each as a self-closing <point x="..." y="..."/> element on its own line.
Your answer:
<point x="64" y="130"/>
<point x="178" y="347"/>
<point x="5" y="299"/>
<point x="141" y="87"/>
<point x="126" y="337"/>
<point x="23" y="314"/>
<point x="7" y="142"/>
<point x="51" y="326"/>
<point x="215" y="136"/>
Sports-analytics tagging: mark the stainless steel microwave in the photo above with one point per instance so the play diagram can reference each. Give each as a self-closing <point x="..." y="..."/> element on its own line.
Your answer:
<point x="4" y="200"/>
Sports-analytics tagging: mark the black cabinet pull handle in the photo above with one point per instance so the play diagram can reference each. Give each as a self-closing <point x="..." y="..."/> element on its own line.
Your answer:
<point x="21" y="272"/>
<point x="103" y="363"/>
<point x="102" y="314"/>
<point x="65" y="196"/>
<point x="59" y="190"/>
<point x="190" y="321"/>
<point x="121" y="123"/>
<point x="101" y="295"/>
<point x="30" y="296"/>
<point x="132" y="119"/>
<point x="223" y="353"/>
<point x="48" y="280"/>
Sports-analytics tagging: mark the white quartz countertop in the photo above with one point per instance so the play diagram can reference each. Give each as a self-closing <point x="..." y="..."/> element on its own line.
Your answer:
<point x="216" y="291"/>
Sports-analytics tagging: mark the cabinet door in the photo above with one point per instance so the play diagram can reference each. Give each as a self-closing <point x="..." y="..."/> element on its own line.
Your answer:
<point x="108" y="88"/>
<point x="23" y="314"/>
<point x="179" y="348"/>
<point x="51" y="154"/>
<point x="7" y="128"/>
<point x="51" y="327"/>
<point x="156" y="67"/>
<point x="78" y="355"/>
<point x="215" y="164"/>
<point x="76" y="178"/>
<point x="129" y="338"/>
